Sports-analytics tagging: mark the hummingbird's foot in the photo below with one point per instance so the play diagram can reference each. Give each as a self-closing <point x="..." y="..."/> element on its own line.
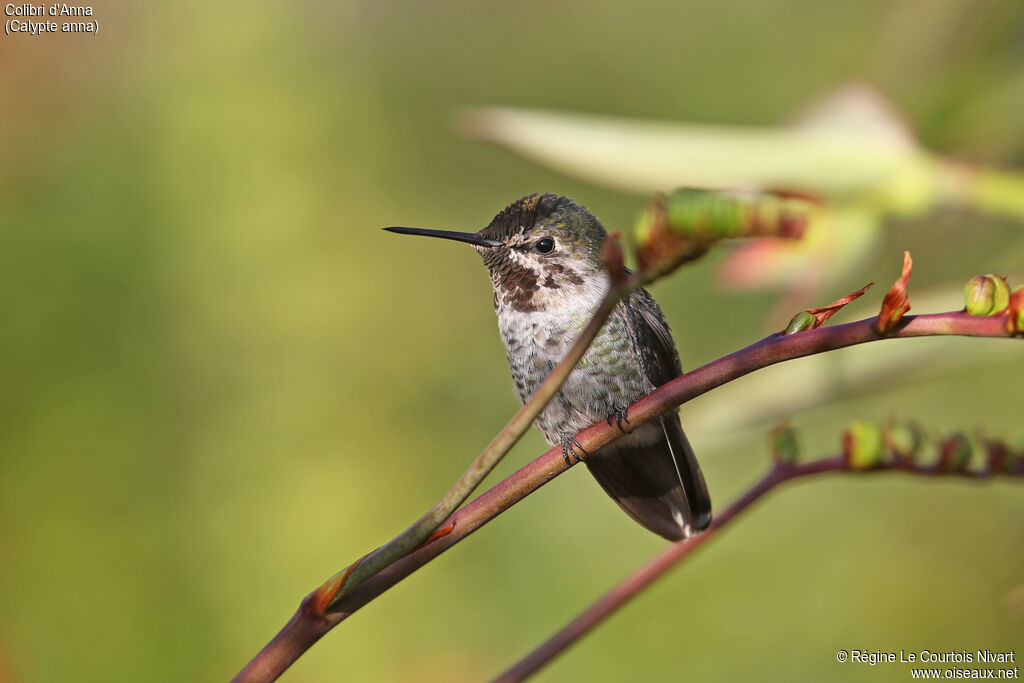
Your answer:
<point x="568" y="452"/>
<point x="620" y="416"/>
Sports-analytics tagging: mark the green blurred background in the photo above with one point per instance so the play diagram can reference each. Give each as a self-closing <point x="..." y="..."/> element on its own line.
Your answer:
<point x="220" y="381"/>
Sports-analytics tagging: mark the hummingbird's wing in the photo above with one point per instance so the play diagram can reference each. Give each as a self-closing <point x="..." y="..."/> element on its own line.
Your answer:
<point x="652" y="339"/>
<point x="652" y="473"/>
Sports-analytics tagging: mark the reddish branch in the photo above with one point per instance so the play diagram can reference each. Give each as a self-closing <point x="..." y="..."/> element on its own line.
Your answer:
<point x="632" y="585"/>
<point x="311" y="621"/>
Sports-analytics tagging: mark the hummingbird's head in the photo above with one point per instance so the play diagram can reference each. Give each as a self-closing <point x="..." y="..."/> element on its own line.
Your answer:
<point x="540" y="250"/>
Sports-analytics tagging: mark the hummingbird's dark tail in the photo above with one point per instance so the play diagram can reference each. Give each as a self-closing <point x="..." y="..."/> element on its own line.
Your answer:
<point x="653" y="475"/>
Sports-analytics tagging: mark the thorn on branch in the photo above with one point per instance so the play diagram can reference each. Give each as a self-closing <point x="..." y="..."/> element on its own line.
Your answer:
<point x="896" y="302"/>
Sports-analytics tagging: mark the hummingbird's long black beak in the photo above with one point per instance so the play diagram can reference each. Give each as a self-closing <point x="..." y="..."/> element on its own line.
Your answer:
<point x="468" y="237"/>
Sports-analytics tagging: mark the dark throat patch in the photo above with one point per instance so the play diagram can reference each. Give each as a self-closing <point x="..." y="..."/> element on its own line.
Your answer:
<point x="514" y="284"/>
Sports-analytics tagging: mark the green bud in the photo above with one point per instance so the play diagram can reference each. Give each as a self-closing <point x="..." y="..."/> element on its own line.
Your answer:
<point x="704" y="213"/>
<point x="863" y="445"/>
<point x="644" y="224"/>
<point x="986" y="295"/>
<point x="903" y="439"/>
<point x="726" y="217"/>
<point x="979" y="292"/>
<point x="956" y="452"/>
<point x="783" y="444"/>
<point x="685" y="209"/>
<point x="1002" y="297"/>
<point x="803" y="320"/>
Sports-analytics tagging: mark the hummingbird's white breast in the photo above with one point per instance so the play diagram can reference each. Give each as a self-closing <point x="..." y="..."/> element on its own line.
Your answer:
<point x="608" y="378"/>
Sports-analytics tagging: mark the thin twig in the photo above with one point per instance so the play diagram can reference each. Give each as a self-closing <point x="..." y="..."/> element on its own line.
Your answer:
<point x="312" y="621"/>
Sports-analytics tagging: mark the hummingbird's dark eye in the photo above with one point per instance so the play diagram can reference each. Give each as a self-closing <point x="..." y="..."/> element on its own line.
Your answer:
<point x="545" y="245"/>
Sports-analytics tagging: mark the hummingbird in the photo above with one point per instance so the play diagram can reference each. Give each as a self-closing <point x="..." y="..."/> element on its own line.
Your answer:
<point x="543" y="253"/>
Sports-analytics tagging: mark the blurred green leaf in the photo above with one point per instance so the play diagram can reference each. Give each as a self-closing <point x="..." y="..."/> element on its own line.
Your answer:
<point x="848" y="147"/>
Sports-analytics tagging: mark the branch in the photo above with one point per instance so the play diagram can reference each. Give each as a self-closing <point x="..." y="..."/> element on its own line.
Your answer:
<point x="338" y="598"/>
<point x="780" y="473"/>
